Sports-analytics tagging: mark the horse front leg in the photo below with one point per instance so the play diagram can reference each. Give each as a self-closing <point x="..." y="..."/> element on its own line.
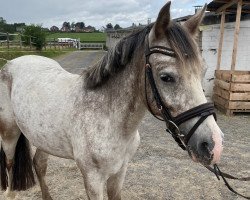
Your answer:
<point x="93" y="181"/>
<point x="115" y="183"/>
<point x="40" y="164"/>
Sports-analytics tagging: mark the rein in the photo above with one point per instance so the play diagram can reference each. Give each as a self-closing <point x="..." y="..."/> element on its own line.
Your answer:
<point x="173" y="123"/>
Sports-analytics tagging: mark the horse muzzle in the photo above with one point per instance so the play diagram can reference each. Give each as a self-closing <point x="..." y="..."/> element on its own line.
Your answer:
<point x="202" y="153"/>
<point x="207" y="149"/>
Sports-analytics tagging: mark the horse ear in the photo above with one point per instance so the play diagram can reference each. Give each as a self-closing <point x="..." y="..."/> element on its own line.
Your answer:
<point x="193" y="23"/>
<point x="163" y="20"/>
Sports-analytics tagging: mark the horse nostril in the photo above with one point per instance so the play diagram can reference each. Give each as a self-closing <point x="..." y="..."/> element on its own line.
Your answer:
<point x="204" y="145"/>
<point x="205" y="149"/>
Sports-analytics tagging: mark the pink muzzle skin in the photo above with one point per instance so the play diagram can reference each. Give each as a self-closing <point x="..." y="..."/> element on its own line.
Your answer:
<point x="218" y="147"/>
<point x="216" y="152"/>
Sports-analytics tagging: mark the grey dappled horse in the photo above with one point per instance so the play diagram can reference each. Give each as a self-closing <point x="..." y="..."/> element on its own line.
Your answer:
<point x="93" y="118"/>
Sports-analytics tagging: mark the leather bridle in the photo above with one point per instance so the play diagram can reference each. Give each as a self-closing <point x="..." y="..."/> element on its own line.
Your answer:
<point x="202" y="111"/>
<point x="173" y="123"/>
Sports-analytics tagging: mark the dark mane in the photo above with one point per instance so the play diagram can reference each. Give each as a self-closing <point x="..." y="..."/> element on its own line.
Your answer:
<point x="117" y="58"/>
<point x="181" y="42"/>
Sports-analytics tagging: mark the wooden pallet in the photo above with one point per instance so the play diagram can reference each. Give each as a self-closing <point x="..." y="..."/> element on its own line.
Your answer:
<point x="230" y="112"/>
<point x="232" y="91"/>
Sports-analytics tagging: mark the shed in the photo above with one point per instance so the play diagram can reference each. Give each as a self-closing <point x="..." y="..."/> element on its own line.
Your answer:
<point x="113" y="36"/>
<point x="231" y="86"/>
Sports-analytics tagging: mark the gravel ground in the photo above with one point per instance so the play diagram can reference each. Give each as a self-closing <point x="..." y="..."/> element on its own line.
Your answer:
<point x="75" y="61"/>
<point x="160" y="169"/>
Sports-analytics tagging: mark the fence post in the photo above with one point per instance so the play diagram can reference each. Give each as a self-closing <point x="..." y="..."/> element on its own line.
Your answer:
<point x="8" y="40"/>
<point x="55" y="43"/>
<point x="79" y="44"/>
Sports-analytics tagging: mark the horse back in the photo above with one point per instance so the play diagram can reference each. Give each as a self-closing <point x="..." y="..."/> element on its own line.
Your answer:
<point x="33" y="64"/>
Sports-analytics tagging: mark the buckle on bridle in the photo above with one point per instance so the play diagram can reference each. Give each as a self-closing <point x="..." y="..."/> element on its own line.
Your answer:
<point x="174" y="130"/>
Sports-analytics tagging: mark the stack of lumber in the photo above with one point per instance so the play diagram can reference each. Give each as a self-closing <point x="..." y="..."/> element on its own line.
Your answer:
<point x="232" y="91"/>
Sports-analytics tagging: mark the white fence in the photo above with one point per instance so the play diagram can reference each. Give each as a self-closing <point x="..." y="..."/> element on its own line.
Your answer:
<point x="91" y="45"/>
<point x="62" y="43"/>
<point x="16" y="40"/>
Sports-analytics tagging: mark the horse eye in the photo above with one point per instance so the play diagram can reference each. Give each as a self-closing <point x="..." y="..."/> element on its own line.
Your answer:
<point x="167" y="78"/>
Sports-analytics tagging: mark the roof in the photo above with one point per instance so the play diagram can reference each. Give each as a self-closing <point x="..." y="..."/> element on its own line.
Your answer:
<point x="128" y="29"/>
<point x="230" y="5"/>
<point x="182" y="19"/>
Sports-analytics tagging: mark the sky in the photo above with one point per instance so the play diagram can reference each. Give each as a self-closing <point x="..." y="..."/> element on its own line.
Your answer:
<point x="96" y="13"/>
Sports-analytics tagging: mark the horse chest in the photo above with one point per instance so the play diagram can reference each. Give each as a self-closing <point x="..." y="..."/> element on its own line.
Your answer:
<point x="106" y="150"/>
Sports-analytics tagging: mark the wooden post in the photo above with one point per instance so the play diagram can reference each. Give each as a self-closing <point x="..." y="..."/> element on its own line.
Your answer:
<point x="79" y="44"/>
<point x="50" y="43"/>
<point x="236" y="34"/>
<point x="8" y="40"/>
<point x="222" y="28"/>
<point x="55" y="43"/>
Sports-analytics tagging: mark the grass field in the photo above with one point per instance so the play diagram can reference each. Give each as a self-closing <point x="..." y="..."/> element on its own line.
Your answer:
<point x="84" y="37"/>
<point x="9" y="55"/>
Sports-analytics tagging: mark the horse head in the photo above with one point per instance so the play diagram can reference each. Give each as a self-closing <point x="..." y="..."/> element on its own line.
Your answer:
<point x="175" y="62"/>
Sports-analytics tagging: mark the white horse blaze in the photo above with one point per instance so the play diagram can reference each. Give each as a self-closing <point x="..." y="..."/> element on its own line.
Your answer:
<point x="218" y="146"/>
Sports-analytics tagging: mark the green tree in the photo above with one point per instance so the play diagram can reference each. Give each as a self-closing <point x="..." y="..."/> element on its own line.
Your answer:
<point x="72" y="26"/>
<point x="2" y="20"/>
<point x="117" y="26"/>
<point x="66" y="27"/>
<point x="36" y="34"/>
<point x="4" y="27"/>
<point x="54" y="29"/>
<point x="109" y="26"/>
<point x="80" y="25"/>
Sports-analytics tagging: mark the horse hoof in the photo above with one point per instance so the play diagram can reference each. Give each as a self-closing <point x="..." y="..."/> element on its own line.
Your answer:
<point x="47" y="197"/>
<point x="9" y="195"/>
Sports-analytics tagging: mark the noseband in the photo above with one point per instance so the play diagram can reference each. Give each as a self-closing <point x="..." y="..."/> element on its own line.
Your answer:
<point x="173" y="123"/>
<point x="202" y="111"/>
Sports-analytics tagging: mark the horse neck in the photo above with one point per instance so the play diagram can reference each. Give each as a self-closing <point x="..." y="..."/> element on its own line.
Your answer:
<point x="121" y="95"/>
